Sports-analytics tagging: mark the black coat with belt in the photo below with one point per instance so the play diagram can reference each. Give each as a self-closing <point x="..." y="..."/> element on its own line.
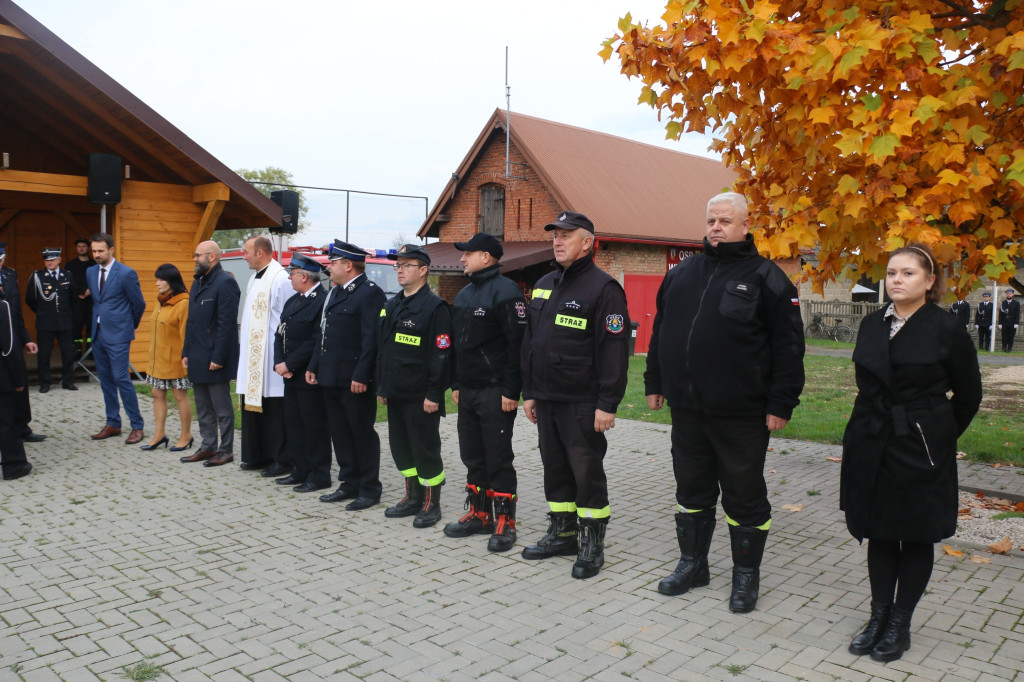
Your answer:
<point x="297" y="334"/>
<point x="899" y="478"/>
<point x="211" y="333"/>
<point x="346" y="346"/>
<point x="50" y="297"/>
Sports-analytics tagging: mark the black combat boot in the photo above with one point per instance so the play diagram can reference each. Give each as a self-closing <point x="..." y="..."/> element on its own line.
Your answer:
<point x="591" y="541"/>
<point x="411" y="503"/>
<point x="560" y="540"/>
<point x="431" y="511"/>
<point x="504" y="536"/>
<point x="747" y="550"/>
<point x="477" y="518"/>
<point x="694" y="531"/>
<point x="866" y="641"/>
<point x="896" y="638"/>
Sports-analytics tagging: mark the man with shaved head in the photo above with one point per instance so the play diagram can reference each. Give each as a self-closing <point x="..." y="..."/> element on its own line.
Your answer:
<point x="210" y="353"/>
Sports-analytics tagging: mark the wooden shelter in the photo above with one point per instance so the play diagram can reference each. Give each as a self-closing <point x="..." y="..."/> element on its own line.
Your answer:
<point x="56" y="109"/>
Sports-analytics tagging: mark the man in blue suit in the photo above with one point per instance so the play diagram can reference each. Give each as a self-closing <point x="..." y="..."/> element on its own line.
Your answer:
<point x="117" y="309"/>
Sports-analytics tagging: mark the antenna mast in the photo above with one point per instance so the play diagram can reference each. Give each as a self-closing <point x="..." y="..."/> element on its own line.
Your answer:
<point x="508" y="112"/>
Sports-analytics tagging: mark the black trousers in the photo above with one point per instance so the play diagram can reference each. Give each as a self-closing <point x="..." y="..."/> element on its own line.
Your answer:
<point x="573" y="456"/>
<point x="416" y="441"/>
<point x="485" y="439"/>
<point x="45" y="340"/>
<point x="22" y="413"/>
<point x="350" y="419"/>
<point x="984" y="337"/>
<point x="12" y="450"/>
<point x="1008" y="333"/>
<point x="712" y="452"/>
<point x="81" y="313"/>
<point x="263" y="435"/>
<point x="309" y="445"/>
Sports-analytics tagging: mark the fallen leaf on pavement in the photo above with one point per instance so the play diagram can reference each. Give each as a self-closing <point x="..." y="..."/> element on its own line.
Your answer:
<point x="1001" y="547"/>
<point x="1019" y="506"/>
<point x="980" y="495"/>
<point x="793" y="507"/>
<point x="961" y="455"/>
<point x="833" y="459"/>
<point x="1001" y="502"/>
<point x="981" y="559"/>
<point x="966" y="511"/>
<point x="771" y="449"/>
<point x="997" y="465"/>
<point x="952" y="552"/>
<point x="771" y="471"/>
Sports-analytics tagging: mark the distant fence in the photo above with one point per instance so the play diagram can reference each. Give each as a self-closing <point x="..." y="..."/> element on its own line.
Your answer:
<point x="849" y="313"/>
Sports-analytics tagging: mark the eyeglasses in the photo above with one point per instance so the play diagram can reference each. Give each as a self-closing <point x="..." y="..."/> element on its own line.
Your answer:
<point x="406" y="266"/>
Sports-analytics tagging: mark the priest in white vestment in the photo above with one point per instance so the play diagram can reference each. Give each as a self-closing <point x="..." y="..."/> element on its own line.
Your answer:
<point x="261" y="388"/>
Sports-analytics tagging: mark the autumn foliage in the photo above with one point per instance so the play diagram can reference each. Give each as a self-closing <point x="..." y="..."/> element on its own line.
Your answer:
<point x="854" y="127"/>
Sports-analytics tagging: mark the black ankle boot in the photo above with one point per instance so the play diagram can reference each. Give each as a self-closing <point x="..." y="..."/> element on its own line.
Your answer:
<point x="896" y="638"/>
<point x="866" y="641"/>
<point x="560" y="540"/>
<point x="477" y="518"/>
<point x="431" y="511"/>
<point x="504" y="536"/>
<point x="747" y="550"/>
<point x="411" y="503"/>
<point x="694" y="533"/>
<point x="590" y="558"/>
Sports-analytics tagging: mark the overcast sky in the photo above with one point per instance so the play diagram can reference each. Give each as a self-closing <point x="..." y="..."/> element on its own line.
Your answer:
<point x="373" y="96"/>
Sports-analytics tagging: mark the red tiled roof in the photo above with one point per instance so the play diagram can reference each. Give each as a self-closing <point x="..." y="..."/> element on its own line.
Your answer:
<point x="444" y="257"/>
<point x="629" y="189"/>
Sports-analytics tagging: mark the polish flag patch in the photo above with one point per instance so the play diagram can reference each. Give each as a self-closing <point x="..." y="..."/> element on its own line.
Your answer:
<point x="796" y="301"/>
<point x="444" y="341"/>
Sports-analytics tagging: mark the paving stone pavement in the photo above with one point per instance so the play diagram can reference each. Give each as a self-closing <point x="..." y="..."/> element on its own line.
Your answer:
<point x="111" y="557"/>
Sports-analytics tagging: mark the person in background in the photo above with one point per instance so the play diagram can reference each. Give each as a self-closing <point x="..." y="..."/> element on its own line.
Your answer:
<point x="49" y="295"/>
<point x="9" y="292"/>
<point x="898" y="484"/>
<point x="983" y="321"/>
<point x="1009" y="319"/>
<point x="165" y="368"/>
<point x="13" y="376"/>
<point x="81" y="304"/>
<point x="962" y="310"/>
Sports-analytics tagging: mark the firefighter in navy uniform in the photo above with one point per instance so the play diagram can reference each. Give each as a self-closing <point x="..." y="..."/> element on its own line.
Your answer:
<point x="489" y="320"/>
<point x="726" y="352"/>
<point x="1009" y="319"/>
<point x="9" y="292"/>
<point x="13" y="377"/>
<point x="413" y="373"/>
<point x="983" y="321"/>
<point x="343" y="367"/>
<point x="305" y="422"/>
<point x="575" y="359"/>
<point x="50" y="295"/>
<point x="962" y="309"/>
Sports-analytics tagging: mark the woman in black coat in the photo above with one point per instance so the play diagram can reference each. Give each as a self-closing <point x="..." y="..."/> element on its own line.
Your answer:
<point x="899" y="480"/>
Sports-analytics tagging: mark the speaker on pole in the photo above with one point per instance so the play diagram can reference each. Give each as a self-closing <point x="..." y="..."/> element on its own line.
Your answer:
<point x="288" y="200"/>
<point x="104" y="179"/>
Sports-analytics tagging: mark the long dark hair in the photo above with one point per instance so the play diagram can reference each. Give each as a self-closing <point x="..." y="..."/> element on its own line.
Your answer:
<point x="926" y="259"/>
<point x="172" y="276"/>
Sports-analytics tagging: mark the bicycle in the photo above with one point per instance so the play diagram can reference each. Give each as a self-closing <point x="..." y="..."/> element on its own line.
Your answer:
<point x="838" y="331"/>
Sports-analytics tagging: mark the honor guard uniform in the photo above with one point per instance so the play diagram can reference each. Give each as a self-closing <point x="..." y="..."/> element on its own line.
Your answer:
<point x="413" y="373"/>
<point x="983" y="321"/>
<point x="13" y="377"/>
<point x="1009" y="319"/>
<point x="9" y="292"/>
<point x="305" y="421"/>
<point x="343" y="367"/>
<point x="962" y="310"/>
<point x="489" y="321"/>
<point x="575" y="360"/>
<point x="50" y="295"/>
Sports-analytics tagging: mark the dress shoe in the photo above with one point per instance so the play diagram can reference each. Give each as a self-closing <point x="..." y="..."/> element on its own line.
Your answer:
<point x="70" y="387"/>
<point x="252" y="466"/>
<point x="199" y="456"/>
<point x="219" y="459"/>
<point x="39" y="438"/>
<point x="308" y="487"/>
<point x="275" y="470"/>
<point x="135" y="436"/>
<point x="361" y="503"/>
<point x="107" y="431"/>
<point x="339" y="495"/>
<point x="44" y="388"/>
<point x="18" y="471"/>
<point x="289" y="480"/>
<point x="175" y="448"/>
<point x="153" y="446"/>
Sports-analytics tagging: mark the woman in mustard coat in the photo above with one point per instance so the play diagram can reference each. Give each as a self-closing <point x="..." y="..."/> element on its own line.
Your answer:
<point x="165" y="368"/>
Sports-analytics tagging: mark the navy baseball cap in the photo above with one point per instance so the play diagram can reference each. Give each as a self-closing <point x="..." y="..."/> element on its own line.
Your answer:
<point x="340" y="249"/>
<point x="482" y="242"/>
<point x="303" y="262"/>
<point x="411" y="251"/>
<point x="567" y="220"/>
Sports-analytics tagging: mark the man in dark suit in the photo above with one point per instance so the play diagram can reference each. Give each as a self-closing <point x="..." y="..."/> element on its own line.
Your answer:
<point x="9" y="292"/>
<point x="50" y="295"/>
<point x="81" y="305"/>
<point x="305" y="421"/>
<point x="343" y="366"/>
<point x="1009" y="319"/>
<point x="983" y="321"/>
<point x="962" y="309"/>
<point x="117" y="309"/>
<point x="210" y="354"/>
<point x="13" y="382"/>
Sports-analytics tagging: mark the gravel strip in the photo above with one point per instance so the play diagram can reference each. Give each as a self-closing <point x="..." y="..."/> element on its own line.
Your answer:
<point x="979" y="528"/>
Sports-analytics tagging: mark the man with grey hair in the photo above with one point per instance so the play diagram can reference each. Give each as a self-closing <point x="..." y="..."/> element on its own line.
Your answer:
<point x="726" y="353"/>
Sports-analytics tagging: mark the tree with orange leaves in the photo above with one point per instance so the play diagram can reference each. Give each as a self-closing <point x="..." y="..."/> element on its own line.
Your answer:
<point x="854" y="127"/>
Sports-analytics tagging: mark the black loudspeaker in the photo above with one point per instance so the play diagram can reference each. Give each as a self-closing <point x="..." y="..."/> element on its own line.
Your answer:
<point x="104" y="179"/>
<point x="288" y="200"/>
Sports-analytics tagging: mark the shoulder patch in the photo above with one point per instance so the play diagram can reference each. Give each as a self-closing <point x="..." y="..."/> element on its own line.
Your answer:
<point x="443" y="341"/>
<point x="614" y="324"/>
<point x="520" y="309"/>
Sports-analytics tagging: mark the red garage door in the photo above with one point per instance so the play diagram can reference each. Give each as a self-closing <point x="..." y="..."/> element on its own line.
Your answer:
<point x="641" y="297"/>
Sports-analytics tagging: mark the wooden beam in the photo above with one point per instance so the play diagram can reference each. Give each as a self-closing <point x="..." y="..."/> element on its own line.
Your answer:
<point x="215" y="191"/>
<point x="6" y="215"/>
<point x="71" y="222"/>
<point x="208" y="223"/>
<point x="43" y="183"/>
<point x="11" y="32"/>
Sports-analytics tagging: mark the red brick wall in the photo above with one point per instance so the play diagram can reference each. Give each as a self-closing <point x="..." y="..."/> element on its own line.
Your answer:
<point x="619" y="259"/>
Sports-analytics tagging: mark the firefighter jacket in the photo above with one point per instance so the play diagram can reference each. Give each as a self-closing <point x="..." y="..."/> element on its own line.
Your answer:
<point x="414" y="352"/>
<point x="345" y="343"/>
<point x="489" y="319"/>
<point x="727" y="338"/>
<point x="575" y="348"/>
<point x="49" y="296"/>
<point x="297" y="332"/>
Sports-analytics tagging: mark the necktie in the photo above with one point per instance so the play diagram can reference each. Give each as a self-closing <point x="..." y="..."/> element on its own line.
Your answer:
<point x="103" y="277"/>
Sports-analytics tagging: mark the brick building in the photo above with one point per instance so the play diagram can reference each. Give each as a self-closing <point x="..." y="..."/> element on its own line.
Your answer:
<point x="647" y="204"/>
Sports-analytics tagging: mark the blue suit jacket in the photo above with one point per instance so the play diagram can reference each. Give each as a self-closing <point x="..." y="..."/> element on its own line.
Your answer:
<point x="119" y="306"/>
